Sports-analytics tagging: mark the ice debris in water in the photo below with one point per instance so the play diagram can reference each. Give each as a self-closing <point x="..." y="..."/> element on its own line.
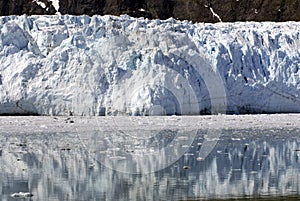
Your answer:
<point x="21" y="195"/>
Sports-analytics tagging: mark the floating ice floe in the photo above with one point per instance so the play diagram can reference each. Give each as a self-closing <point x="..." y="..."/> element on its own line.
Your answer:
<point x="21" y="195"/>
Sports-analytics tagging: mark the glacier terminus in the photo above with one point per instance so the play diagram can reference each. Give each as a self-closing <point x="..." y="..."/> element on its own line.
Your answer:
<point x="107" y="65"/>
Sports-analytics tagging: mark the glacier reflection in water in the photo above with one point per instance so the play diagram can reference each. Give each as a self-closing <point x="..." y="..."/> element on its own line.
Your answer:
<point x="65" y="166"/>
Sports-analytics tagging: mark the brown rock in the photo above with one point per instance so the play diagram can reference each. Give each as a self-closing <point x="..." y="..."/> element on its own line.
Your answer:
<point x="19" y="7"/>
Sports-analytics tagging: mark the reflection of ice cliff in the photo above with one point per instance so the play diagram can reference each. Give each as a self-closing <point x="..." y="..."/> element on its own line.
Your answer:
<point x="60" y="166"/>
<point x="110" y="65"/>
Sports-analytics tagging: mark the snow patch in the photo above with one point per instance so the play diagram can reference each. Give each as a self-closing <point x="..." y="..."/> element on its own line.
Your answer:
<point x="42" y="4"/>
<point x="215" y="14"/>
<point x="55" y="4"/>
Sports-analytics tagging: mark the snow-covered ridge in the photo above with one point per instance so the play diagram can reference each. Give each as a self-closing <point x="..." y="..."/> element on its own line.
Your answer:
<point x="81" y="65"/>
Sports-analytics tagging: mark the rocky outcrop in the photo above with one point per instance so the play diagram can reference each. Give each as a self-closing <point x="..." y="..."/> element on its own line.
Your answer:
<point x="26" y="7"/>
<point x="195" y="10"/>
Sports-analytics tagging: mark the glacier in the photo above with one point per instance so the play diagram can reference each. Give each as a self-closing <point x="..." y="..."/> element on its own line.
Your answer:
<point x="108" y="65"/>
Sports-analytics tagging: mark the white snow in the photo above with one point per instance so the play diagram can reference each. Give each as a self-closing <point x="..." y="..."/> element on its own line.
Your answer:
<point x="55" y="3"/>
<point x="42" y="4"/>
<point x="215" y="14"/>
<point x="81" y="65"/>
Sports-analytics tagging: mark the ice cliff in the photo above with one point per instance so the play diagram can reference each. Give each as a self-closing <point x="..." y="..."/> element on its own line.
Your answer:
<point x="103" y="65"/>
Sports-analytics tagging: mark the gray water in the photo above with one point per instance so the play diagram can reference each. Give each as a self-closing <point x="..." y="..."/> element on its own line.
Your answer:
<point x="248" y="163"/>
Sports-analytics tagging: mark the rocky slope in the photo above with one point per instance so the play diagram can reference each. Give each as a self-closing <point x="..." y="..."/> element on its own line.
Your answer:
<point x="195" y="10"/>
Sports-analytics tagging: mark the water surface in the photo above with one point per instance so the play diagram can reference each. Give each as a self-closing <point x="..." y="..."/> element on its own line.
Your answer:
<point x="244" y="163"/>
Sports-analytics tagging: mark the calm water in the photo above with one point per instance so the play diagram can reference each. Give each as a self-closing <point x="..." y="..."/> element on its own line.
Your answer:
<point x="82" y="166"/>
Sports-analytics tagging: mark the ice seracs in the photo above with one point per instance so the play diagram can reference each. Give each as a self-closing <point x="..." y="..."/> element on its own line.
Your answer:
<point x="107" y="65"/>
